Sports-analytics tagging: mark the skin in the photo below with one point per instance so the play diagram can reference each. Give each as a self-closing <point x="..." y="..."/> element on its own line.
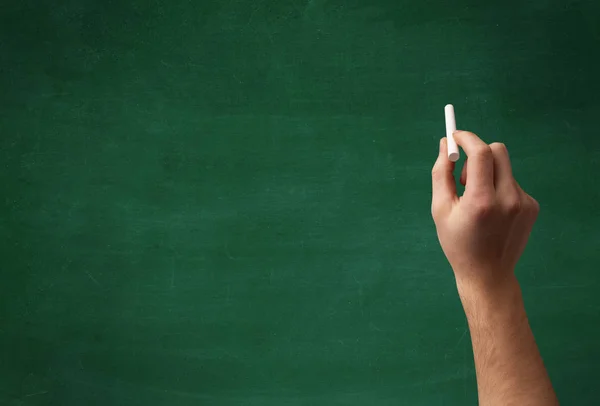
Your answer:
<point x="483" y="234"/>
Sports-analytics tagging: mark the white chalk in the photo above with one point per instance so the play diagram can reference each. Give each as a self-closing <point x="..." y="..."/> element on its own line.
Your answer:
<point x="453" y="153"/>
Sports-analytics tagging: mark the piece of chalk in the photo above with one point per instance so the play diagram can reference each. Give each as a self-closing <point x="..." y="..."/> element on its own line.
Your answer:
<point x="453" y="154"/>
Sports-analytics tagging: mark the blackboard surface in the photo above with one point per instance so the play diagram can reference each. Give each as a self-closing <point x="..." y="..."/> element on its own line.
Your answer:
<point x="228" y="202"/>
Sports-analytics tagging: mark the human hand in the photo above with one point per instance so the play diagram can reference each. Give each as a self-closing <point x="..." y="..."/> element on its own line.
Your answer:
<point x="483" y="232"/>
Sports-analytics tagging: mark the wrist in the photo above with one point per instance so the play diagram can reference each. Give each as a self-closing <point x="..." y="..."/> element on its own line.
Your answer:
<point x="492" y="299"/>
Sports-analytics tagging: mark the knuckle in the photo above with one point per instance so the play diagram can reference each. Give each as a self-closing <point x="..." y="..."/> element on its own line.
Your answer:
<point x="439" y="211"/>
<point x="435" y="213"/>
<point x="513" y="205"/>
<point x="436" y="171"/>
<point x="482" y="207"/>
<point x="498" y="146"/>
<point x="484" y="152"/>
<point x="461" y="133"/>
<point x="534" y="206"/>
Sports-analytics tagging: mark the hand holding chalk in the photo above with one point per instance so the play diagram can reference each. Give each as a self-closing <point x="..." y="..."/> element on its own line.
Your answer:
<point x="484" y="231"/>
<point x="453" y="153"/>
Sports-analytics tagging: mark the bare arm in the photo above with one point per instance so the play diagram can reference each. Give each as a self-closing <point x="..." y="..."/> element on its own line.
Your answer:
<point x="509" y="368"/>
<point x="483" y="233"/>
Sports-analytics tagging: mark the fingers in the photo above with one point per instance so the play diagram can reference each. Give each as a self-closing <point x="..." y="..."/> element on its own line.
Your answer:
<point x="507" y="191"/>
<point x="463" y="173"/>
<point x="444" y="188"/>
<point x="531" y="206"/>
<point x="480" y="170"/>
<point x="524" y="221"/>
<point x="503" y="177"/>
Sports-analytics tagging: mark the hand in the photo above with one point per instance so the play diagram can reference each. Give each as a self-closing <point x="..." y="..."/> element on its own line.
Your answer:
<point x="483" y="232"/>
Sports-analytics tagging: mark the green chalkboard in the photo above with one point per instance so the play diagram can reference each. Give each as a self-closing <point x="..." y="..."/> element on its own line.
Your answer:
<point x="228" y="202"/>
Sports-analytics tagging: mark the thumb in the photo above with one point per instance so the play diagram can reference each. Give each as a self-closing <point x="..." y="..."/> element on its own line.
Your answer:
<point x="443" y="185"/>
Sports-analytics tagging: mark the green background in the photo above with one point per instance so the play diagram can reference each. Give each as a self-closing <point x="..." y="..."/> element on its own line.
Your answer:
<point x="228" y="202"/>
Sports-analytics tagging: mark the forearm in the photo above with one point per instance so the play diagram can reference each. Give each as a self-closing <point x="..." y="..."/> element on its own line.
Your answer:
<point x="509" y="367"/>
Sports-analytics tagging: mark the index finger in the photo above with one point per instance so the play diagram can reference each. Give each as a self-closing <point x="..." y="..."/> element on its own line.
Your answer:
<point x="480" y="171"/>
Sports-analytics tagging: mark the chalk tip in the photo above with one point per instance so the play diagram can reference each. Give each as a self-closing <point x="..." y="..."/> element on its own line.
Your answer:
<point x="453" y="156"/>
<point x="449" y="106"/>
